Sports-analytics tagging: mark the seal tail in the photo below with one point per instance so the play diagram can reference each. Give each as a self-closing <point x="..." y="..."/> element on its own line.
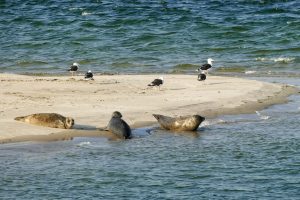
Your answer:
<point x="22" y="119"/>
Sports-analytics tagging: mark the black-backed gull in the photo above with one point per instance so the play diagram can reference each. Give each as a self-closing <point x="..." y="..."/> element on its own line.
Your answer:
<point x="89" y="75"/>
<point x="157" y="82"/>
<point x="207" y="66"/>
<point x="73" y="68"/>
<point x="201" y="77"/>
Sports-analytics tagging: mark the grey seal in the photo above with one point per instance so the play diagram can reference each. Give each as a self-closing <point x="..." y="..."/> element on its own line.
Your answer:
<point x="118" y="126"/>
<point x="52" y="120"/>
<point x="182" y="123"/>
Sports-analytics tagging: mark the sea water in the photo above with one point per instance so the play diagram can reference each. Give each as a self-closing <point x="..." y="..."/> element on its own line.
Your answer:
<point x="254" y="156"/>
<point x="142" y="36"/>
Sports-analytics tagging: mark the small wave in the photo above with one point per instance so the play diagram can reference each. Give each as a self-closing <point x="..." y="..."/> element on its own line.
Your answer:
<point x="75" y="9"/>
<point x="283" y="59"/>
<point x="85" y="13"/>
<point x="264" y="117"/>
<point x="261" y="59"/>
<point x="84" y="144"/>
<point x="250" y="72"/>
<point x="280" y="59"/>
<point x="212" y="122"/>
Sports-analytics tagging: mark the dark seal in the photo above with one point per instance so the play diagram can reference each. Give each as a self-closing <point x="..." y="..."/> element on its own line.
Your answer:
<point x="118" y="126"/>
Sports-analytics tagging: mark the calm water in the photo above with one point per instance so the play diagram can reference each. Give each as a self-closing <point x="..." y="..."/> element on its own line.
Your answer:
<point x="255" y="156"/>
<point x="149" y="36"/>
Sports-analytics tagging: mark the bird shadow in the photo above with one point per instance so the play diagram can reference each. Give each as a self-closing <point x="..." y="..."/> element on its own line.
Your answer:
<point x="177" y="88"/>
<point x="218" y="83"/>
<point x="192" y="134"/>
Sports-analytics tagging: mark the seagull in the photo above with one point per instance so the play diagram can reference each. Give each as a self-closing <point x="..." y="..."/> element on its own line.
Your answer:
<point x="206" y="66"/>
<point x="157" y="82"/>
<point x="201" y="77"/>
<point x="73" y="68"/>
<point x="89" y="75"/>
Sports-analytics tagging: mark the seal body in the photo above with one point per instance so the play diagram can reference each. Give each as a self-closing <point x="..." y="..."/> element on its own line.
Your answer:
<point x="52" y="120"/>
<point x="183" y="123"/>
<point x="118" y="126"/>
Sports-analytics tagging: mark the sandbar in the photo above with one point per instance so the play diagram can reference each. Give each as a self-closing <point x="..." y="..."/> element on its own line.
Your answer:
<point x="91" y="103"/>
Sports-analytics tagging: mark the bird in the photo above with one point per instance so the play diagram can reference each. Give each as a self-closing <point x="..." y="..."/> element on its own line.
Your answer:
<point x="206" y="66"/>
<point x="89" y="75"/>
<point x="73" y="68"/>
<point x="201" y="77"/>
<point x="157" y="82"/>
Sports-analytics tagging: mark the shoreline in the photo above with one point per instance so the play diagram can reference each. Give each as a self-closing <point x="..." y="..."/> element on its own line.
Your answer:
<point x="91" y="103"/>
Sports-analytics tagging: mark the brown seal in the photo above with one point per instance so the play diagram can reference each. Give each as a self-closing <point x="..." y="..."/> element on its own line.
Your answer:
<point x="182" y="123"/>
<point x="52" y="120"/>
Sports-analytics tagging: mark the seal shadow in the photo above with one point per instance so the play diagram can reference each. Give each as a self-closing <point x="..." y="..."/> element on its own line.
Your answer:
<point x="84" y="127"/>
<point x="82" y="130"/>
<point x="192" y="134"/>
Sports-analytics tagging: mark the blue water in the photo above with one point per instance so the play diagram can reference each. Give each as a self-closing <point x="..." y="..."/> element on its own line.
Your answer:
<point x="255" y="156"/>
<point x="149" y="36"/>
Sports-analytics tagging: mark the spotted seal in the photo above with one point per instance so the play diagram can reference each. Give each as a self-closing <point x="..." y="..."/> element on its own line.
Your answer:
<point x="182" y="123"/>
<point x="118" y="126"/>
<point x="52" y="120"/>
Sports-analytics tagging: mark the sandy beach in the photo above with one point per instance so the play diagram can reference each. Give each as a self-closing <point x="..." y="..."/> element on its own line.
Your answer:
<point x="91" y="103"/>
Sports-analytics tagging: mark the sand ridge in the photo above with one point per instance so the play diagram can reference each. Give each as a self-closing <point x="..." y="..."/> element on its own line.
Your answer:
<point x="91" y="103"/>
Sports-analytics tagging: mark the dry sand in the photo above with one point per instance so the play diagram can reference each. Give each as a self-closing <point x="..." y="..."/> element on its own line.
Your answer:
<point x="91" y="103"/>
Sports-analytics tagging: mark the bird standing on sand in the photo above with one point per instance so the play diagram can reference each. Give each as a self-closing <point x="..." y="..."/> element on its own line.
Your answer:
<point x="73" y="68"/>
<point x="201" y="77"/>
<point x="89" y="75"/>
<point x="207" y="66"/>
<point x="157" y="82"/>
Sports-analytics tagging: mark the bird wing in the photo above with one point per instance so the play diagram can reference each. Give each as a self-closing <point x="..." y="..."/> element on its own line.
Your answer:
<point x="73" y="68"/>
<point x="205" y="67"/>
<point x="157" y="82"/>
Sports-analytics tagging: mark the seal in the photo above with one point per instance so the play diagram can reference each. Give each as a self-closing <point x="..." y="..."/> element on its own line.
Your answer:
<point x="182" y="123"/>
<point x="118" y="126"/>
<point x="52" y="120"/>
